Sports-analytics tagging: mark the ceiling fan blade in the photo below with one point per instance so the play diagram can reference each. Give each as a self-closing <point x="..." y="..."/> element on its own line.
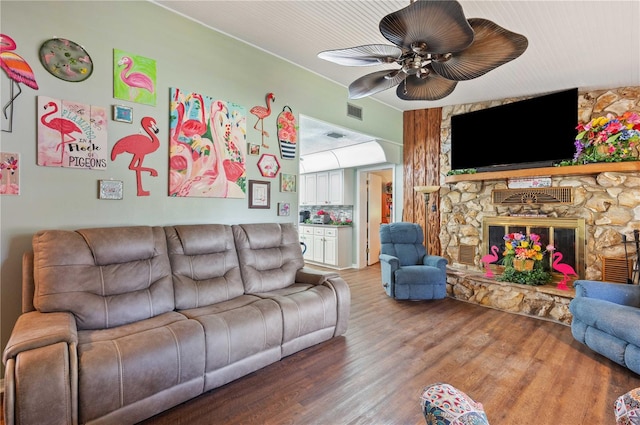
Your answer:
<point x="375" y="82"/>
<point x="370" y="54"/>
<point x="493" y="46"/>
<point x="440" y="24"/>
<point x="433" y="87"/>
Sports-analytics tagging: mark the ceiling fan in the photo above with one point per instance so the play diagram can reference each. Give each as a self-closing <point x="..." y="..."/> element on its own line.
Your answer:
<point x="435" y="46"/>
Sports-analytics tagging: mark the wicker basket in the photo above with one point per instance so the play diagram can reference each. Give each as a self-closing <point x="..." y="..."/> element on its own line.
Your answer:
<point x="523" y="265"/>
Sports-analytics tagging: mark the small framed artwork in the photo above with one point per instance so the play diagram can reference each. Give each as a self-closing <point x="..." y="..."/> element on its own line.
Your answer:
<point x="268" y="165"/>
<point x="287" y="182"/>
<point x="254" y="149"/>
<point x="259" y="194"/>
<point x="110" y="189"/>
<point x="122" y="113"/>
<point x="283" y="208"/>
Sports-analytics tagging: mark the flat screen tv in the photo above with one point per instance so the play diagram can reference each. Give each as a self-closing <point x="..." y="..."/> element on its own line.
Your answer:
<point x="531" y="133"/>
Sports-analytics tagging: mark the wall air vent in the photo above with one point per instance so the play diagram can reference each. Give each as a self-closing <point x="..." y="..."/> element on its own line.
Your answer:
<point x="354" y="111"/>
<point x="543" y="195"/>
<point x="617" y="270"/>
<point x="466" y="254"/>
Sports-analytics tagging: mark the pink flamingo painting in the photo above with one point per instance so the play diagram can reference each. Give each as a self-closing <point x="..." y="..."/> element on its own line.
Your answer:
<point x="139" y="145"/>
<point x="62" y="125"/>
<point x="488" y="259"/>
<point x="261" y="112"/>
<point x="563" y="268"/>
<point x="17" y="69"/>
<point x="134" y="80"/>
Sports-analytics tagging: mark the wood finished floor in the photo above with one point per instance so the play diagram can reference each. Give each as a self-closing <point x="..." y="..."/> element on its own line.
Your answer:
<point x="525" y="371"/>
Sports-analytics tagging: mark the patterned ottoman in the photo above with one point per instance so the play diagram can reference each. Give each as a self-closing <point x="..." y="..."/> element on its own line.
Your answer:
<point x="627" y="408"/>
<point x="443" y="404"/>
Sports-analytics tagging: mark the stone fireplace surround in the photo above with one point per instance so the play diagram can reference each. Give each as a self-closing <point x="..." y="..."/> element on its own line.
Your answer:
<point x="608" y="201"/>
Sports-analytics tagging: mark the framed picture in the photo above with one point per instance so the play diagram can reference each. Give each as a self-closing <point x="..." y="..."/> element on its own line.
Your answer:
<point x="259" y="194"/>
<point x="254" y="149"/>
<point x="110" y="189"/>
<point x="268" y="165"/>
<point x="287" y="182"/>
<point x="283" y="208"/>
<point x="122" y="113"/>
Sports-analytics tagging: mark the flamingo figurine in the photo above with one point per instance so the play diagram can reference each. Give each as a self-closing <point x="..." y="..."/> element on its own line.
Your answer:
<point x="62" y="125"/>
<point x="563" y="268"/>
<point x="18" y="71"/>
<point x="261" y="112"/>
<point x="134" y="80"/>
<point x="488" y="259"/>
<point x="139" y="145"/>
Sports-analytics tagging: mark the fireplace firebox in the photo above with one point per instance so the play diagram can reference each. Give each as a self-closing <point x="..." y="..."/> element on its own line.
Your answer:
<point x="567" y="235"/>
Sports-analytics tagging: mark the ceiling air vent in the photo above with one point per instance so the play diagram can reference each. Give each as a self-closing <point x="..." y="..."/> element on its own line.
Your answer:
<point x="354" y="111"/>
<point x="335" y="135"/>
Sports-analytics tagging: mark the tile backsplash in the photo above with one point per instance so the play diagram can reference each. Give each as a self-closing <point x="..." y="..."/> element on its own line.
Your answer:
<point x="336" y="212"/>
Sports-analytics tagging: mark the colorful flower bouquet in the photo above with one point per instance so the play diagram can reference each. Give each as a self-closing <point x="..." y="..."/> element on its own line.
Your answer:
<point x="523" y="260"/>
<point x="608" y="139"/>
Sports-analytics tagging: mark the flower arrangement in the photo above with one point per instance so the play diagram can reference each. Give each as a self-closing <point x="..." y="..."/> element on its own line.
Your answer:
<point x="523" y="255"/>
<point x="608" y="139"/>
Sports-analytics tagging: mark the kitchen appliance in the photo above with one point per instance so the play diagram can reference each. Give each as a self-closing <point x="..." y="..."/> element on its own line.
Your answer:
<point x="305" y="215"/>
<point x="321" y="219"/>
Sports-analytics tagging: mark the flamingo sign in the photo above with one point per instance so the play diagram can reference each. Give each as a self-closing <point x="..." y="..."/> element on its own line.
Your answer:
<point x="71" y="134"/>
<point x="208" y="147"/>
<point x="134" y="78"/>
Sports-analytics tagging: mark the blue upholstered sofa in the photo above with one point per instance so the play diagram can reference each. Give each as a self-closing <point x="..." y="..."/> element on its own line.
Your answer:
<point x="606" y="318"/>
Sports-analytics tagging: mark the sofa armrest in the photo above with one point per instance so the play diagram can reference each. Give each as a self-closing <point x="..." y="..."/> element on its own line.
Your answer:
<point x="34" y="330"/>
<point x="435" y="261"/>
<point x="618" y="293"/>
<point x="391" y="261"/>
<point x="41" y="374"/>
<point x="314" y="277"/>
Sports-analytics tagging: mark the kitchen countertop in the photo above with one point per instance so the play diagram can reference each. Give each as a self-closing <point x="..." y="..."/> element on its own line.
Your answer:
<point x="324" y="225"/>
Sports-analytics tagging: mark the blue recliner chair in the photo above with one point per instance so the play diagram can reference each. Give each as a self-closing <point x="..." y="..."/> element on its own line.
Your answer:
<point x="408" y="273"/>
<point x="606" y="318"/>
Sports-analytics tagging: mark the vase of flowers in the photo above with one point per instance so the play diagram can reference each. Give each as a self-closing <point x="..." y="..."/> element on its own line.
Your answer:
<point x="523" y="259"/>
<point x="609" y="138"/>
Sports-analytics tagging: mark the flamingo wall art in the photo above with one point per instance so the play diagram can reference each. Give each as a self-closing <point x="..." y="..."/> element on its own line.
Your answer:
<point x="139" y="146"/>
<point x="134" y="78"/>
<point x="287" y="133"/>
<point x="263" y="112"/>
<point x="208" y="147"/>
<point x="19" y="72"/>
<point x="71" y="134"/>
<point x="9" y="176"/>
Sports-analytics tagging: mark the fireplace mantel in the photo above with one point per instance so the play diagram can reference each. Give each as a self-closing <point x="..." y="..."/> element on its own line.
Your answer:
<point x="568" y="170"/>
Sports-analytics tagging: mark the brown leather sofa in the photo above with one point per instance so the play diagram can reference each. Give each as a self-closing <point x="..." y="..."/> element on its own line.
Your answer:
<point x="122" y="323"/>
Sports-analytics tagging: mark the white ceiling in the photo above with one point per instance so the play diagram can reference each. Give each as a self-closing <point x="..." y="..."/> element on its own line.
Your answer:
<point x="584" y="44"/>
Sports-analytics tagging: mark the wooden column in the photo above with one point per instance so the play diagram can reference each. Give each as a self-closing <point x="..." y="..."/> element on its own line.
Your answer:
<point x="421" y="165"/>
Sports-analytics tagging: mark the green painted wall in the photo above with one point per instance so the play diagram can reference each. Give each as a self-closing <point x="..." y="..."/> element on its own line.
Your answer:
<point x="189" y="56"/>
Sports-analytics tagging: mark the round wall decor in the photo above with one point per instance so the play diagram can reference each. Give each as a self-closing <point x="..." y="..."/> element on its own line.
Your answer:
<point x="66" y="60"/>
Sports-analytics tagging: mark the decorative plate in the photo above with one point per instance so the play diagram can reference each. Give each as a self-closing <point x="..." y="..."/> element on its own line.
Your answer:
<point x="66" y="60"/>
<point x="268" y="165"/>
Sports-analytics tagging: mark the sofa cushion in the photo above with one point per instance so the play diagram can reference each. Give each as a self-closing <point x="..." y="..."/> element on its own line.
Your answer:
<point x="204" y="263"/>
<point x="105" y="276"/>
<point x="120" y="368"/>
<point x="269" y="255"/>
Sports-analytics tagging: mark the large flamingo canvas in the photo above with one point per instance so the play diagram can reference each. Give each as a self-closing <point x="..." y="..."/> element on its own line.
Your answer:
<point x="71" y="134"/>
<point x="134" y="78"/>
<point x="208" y="147"/>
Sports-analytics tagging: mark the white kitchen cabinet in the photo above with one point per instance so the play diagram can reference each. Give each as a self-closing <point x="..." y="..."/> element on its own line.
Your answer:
<point x="333" y="187"/>
<point x="329" y="246"/>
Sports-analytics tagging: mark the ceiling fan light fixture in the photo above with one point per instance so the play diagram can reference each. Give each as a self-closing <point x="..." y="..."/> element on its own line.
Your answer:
<point x="421" y="32"/>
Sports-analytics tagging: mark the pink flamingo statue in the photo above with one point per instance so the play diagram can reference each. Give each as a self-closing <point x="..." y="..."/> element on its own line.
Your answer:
<point x="139" y="145"/>
<point x="62" y="125"/>
<point x="488" y="259"/>
<point x="563" y="268"/>
<point x="18" y="71"/>
<point x="135" y="80"/>
<point x="261" y="112"/>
